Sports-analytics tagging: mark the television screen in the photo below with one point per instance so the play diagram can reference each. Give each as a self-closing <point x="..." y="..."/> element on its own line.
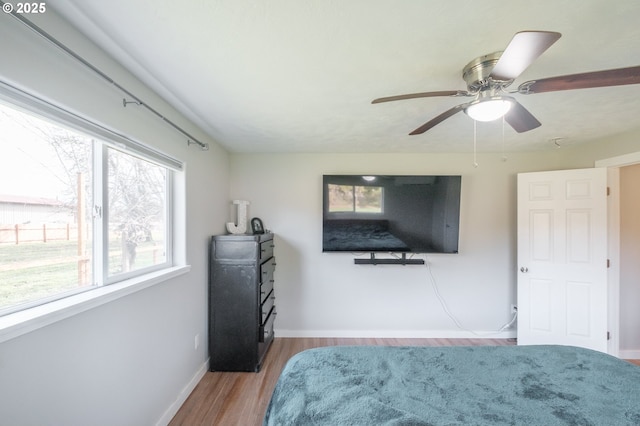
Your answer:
<point x="382" y="213"/>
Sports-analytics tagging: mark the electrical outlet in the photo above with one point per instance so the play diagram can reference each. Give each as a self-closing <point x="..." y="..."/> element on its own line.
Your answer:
<point x="514" y="309"/>
<point x="196" y="341"/>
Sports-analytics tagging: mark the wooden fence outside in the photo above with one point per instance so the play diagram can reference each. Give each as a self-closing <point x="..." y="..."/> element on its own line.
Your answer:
<point x="18" y="233"/>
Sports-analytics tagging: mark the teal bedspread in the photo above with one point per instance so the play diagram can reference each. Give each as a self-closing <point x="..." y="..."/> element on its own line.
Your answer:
<point x="482" y="385"/>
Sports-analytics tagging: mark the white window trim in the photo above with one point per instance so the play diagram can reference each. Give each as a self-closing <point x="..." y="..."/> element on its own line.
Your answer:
<point x="22" y="322"/>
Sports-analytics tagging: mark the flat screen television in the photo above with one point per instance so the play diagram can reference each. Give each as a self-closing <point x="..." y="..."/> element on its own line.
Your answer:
<point x="383" y="213"/>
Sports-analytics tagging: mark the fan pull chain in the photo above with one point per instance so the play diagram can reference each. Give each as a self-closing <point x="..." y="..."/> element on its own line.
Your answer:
<point x="504" y="155"/>
<point x="475" y="137"/>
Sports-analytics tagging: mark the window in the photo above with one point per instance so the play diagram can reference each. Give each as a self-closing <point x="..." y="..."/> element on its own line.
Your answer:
<point x="78" y="209"/>
<point x="136" y="214"/>
<point x="355" y="198"/>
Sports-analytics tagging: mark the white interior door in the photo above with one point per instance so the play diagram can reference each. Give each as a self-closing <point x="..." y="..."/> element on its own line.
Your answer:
<point x="562" y="258"/>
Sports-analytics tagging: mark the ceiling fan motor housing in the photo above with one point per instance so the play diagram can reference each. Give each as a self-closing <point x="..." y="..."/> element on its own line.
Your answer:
<point x="476" y="73"/>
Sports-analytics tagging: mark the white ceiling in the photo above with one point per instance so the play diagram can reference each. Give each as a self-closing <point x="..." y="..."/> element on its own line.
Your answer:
<point x="299" y="75"/>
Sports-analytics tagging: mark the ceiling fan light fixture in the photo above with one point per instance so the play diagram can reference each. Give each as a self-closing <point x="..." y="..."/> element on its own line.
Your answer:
<point x="489" y="109"/>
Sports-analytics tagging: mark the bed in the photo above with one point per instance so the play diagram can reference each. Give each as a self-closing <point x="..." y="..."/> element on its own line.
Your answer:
<point x="481" y="385"/>
<point x="360" y="235"/>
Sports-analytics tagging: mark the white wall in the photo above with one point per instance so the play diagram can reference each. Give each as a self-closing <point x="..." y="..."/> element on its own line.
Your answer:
<point x="630" y="253"/>
<point x="125" y="362"/>
<point x="327" y="295"/>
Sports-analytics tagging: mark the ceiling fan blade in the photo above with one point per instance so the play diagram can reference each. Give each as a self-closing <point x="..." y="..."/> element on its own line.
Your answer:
<point x="422" y="95"/>
<point x="439" y="119"/>
<point x="521" y="119"/>
<point x="524" y="48"/>
<point x="587" y="80"/>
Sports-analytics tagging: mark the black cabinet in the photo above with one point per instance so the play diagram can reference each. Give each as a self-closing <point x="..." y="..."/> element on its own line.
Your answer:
<point x="241" y="301"/>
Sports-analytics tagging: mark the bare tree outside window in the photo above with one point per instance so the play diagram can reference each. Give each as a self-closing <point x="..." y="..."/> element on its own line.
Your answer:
<point x="136" y="212"/>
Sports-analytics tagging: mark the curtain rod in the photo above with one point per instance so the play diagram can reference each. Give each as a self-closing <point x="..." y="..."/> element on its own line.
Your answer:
<point x="136" y="100"/>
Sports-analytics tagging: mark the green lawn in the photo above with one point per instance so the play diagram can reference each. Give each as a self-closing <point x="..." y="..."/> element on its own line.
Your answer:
<point x="31" y="271"/>
<point x="34" y="270"/>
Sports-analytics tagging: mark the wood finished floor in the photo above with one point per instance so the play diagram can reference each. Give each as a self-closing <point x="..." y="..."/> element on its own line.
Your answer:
<point x="241" y="398"/>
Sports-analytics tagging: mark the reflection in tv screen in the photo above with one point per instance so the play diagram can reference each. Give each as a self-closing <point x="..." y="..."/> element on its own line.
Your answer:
<point x="383" y="213"/>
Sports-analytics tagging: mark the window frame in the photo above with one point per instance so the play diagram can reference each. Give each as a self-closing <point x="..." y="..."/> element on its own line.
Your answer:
<point x="18" y="319"/>
<point x="103" y="219"/>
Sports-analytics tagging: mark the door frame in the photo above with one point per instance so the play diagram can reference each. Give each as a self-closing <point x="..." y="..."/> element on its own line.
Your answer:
<point x="613" y="165"/>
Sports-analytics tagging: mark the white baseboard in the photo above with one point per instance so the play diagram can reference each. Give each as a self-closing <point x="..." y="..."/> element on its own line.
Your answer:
<point x="404" y="334"/>
<point x="183" y="395"/>
<point x="629" y="354"/>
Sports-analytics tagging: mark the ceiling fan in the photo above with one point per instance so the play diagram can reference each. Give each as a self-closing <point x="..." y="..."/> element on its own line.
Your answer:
<point x="488" y="77"/>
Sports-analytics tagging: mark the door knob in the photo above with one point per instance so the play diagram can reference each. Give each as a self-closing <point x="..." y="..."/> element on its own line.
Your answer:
<point x="524" y="269"/>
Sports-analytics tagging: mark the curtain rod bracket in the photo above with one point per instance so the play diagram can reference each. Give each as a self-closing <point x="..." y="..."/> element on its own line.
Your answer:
<point x="125" y="102"/>
<point x="203" y="146"/>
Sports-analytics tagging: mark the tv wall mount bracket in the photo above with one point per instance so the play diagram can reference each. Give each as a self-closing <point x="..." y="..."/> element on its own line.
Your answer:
<point x="372" y="260"/>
